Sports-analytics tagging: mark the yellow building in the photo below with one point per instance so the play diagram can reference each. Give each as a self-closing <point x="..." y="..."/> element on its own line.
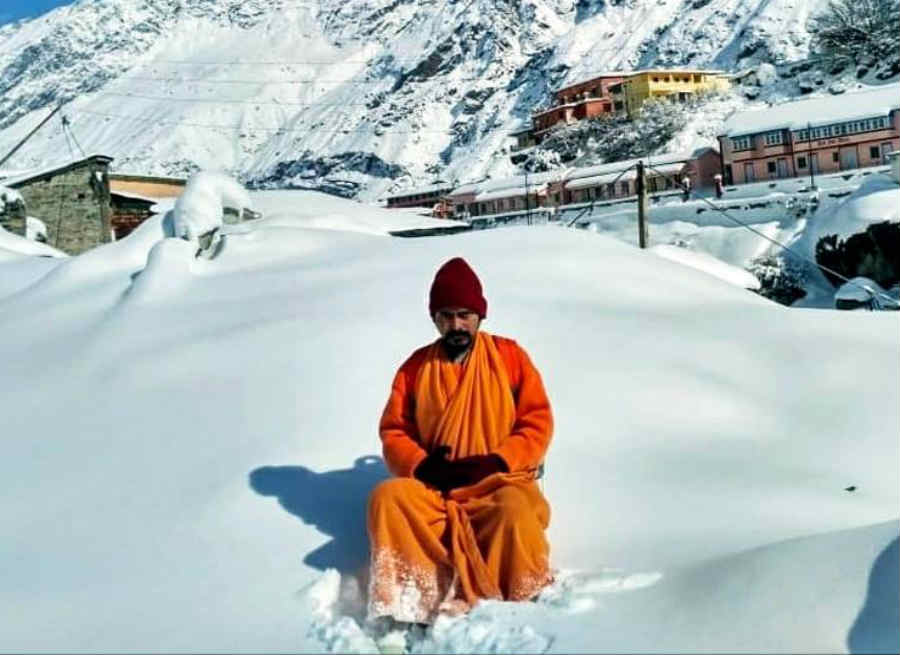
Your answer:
<point x="640" y="86"/>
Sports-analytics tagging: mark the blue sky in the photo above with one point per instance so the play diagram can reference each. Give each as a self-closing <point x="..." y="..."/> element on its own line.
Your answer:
<point x="11" y="10"/>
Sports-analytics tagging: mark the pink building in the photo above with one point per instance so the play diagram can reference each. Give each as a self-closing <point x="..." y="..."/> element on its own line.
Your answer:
<point x="818" y="135"/>
<point x="577" y="102"/>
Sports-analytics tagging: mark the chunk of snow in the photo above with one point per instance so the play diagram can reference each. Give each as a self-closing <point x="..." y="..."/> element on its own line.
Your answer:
<point x="9" y="197"/>
<point x="35" y="229"/>
<point x="199" y="209"/>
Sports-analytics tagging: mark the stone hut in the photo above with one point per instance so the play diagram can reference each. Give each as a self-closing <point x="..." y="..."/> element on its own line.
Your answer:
<point x="72" y="200"/>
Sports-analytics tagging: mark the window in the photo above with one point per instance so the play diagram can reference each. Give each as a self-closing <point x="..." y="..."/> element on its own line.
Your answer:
<point x="774" y="138"/>
<point x="610" y="190"/>
<point x="624" y="188"/>
<point x="834" y="157"/>
<point x="742" y="143"/>
<point x="874" y="152"/>
<point x="801" y="162"/>
<point x="771" y="167"/>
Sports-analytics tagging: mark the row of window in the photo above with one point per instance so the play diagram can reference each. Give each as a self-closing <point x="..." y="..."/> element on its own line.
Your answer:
<point x="419" y="196"/>
<point x="840" y="129"/>
<point x="777" y="137"/>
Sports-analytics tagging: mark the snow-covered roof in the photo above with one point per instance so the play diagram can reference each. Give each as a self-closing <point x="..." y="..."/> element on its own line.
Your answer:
<point x="605" y="178"/>
<point x="39" y="172"/>
<point x="431" y="188"/>
<point x="814" y="112"/>
<point x="135" y="196"/>
<point x="659" y="162"/>
<point x="705" y="71"/>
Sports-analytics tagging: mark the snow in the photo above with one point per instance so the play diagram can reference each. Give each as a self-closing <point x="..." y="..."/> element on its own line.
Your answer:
<point x="34" y="228"/>
<point x="709" y="264"/>
<point x="860" y="289"/>
<point x="9" y="197"/>
<point x="310" y="209"/>
<point x="47" y="170"/>
<point x="13" y="246"/>
<point x="199" y="209"/>
<point x="814" y="112"/>
<point x="189" y="444"/>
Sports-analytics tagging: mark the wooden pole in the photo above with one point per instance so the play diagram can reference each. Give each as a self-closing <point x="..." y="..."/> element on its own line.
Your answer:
<point x="29" y="135"/>
<point x="642" y="205"/>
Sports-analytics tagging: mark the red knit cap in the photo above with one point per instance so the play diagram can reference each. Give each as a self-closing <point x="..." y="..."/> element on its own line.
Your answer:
<point x="456" y="285"/>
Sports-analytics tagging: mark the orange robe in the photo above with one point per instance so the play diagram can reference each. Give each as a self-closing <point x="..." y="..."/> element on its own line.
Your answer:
<point x="434" y="551"/>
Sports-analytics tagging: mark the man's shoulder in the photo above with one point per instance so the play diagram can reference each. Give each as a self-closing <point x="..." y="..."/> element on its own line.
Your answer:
<point x="412" y="363"/>
<point x="505" y="344"/>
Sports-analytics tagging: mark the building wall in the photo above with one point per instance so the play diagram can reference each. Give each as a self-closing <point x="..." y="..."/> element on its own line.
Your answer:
<point x="154" y="188"/>
<point x="637" y="89"/>
<point x="417" y="199"/>
<point x="74" y="205"/>
<point x="795" y="158"/>
<point x="597" y="87"/>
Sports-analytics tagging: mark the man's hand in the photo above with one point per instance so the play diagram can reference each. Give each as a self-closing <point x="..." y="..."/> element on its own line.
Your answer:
<point x="436" y="470"/>
<point x="470" y="470"/>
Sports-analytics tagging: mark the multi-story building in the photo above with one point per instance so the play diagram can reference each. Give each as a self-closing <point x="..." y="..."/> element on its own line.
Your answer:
<point x="420" y="197"/>
<point x="640" y="86"/>
<point x="817" y="135"/>
<point x="576" y="102"/>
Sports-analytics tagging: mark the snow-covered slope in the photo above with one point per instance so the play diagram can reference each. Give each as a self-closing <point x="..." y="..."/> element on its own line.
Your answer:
<point x="188" y="445"/>
<point x="358" y="98"/>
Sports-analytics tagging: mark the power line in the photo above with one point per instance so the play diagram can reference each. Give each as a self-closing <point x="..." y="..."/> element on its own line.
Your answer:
<point x="784" y="247"/>
<point x="239" y="102"/>
<point x="316" y="130"/>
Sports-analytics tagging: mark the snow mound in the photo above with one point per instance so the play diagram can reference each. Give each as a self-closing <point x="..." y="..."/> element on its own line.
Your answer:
<point x="311" y="209"/>
<point x="876" y="200"/>
<point x="708" y="264"/>
<point x="199" y="209"/>
<point x="13" y="246"/>
<point x="221" y="434"/>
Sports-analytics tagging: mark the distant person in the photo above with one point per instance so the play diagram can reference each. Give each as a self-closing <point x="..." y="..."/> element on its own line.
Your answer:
<point x="465" y="430"/>
<point x="685" y="188"/>
<point x="720" y="188"/>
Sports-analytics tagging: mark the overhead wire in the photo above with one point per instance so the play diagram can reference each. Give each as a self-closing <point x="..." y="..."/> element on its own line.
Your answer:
<point x="784" y="247"/>
<point x="317" y="130"/>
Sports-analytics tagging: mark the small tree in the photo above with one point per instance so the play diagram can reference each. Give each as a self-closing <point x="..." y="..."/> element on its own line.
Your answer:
<point x="851" y="32"/>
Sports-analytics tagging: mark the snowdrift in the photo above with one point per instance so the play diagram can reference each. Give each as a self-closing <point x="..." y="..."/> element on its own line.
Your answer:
<point x="189" y="443"/>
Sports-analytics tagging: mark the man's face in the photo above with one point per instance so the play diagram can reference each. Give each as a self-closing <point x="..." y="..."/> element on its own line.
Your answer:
<point x="457" y="326"/>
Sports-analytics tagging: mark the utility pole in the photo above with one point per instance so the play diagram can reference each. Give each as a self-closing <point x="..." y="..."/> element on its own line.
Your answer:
<point x="642" y="204"/>
<point x="29" y="135"/>
<point x="527" y="204"/>
<point x="812" y="175"/>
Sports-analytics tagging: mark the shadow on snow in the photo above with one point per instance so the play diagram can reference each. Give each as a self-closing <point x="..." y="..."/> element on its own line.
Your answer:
<point x="877" y="628"/>
<point x="333" y="501"/>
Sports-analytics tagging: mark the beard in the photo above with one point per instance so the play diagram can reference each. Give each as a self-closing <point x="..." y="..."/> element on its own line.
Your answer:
<point x="456" y="342"/>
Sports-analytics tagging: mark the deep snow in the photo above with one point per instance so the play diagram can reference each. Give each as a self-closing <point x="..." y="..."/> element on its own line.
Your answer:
<point x="188" y="444"/>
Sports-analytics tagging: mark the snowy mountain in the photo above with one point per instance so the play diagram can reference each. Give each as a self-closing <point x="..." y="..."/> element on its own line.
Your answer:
<point x="188" y="444"/>
<point x="358" y="98"/>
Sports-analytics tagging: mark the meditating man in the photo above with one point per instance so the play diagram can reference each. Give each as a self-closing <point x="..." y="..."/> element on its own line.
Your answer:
<point x="464" y="432"/>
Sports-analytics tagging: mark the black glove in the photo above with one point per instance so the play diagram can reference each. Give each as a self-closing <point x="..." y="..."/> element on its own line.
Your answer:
<point x="469" y="470"/>
<point x="436" y="470"/>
